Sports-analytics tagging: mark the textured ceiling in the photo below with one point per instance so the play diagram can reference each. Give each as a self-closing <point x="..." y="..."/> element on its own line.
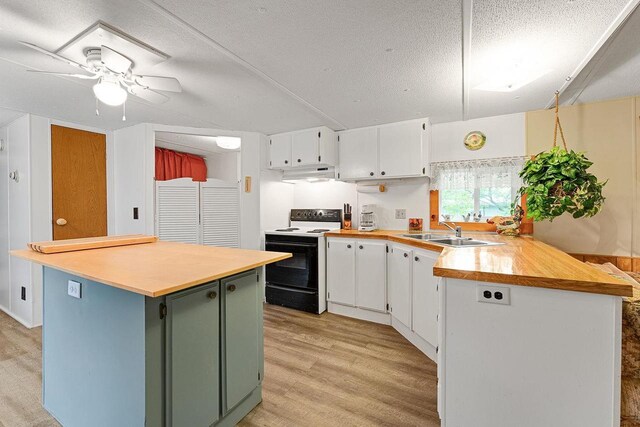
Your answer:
<point x="275" y="65"/>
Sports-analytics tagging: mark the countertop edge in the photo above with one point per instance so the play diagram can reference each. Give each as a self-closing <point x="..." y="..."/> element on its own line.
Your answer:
<point x="614" y="288"/>
<point x="20" y="254"/>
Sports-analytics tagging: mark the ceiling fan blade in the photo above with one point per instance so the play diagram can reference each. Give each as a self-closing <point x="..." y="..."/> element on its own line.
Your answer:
<point x="114" y="61"/>
<point x="148" y="94"/>
<point x="79" y="76"/>
<point x="54" y="55"/>
<point x="168" y="84"/>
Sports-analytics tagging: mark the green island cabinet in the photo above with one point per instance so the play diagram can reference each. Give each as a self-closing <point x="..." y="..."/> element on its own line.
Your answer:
<point x="118" y="358"/>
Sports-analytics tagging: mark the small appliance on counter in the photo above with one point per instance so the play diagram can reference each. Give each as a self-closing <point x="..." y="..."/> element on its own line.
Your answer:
<point x="347" y="216"/>
<point x="368" y="218"/>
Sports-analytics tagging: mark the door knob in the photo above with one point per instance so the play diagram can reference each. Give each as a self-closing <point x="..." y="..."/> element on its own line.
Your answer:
<point x="212" y="295"/>
<point x="61" y="221"/>
<point x="231" y="288"/>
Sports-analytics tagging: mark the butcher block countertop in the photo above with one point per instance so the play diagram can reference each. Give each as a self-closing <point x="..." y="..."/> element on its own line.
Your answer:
<point x="520" y="261"/>
<point x="155" y="269"/>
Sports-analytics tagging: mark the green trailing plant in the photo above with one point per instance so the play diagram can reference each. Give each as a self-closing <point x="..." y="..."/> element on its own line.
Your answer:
<point x="558" y="181"/>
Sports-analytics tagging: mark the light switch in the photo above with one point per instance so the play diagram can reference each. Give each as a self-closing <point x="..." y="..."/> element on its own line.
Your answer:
<point x="74" y="289"/>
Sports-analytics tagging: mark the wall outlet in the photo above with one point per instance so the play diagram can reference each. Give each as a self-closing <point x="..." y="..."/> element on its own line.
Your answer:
<point x="74" y="289"/>
<point x="493" y="294"/>
<point x="401" y="214"/>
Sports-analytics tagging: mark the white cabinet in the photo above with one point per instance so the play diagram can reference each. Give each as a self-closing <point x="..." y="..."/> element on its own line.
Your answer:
<point x="425" y="296"/>
<point x="305" y="148"/>
<point x="341" y="271"/>
<point x="358" y="152"/>
<point x="280" y="151"/>
<point x="396" y="150"/>
<point x="400" y="269"/>
<point x="371" y="272"/>
<point x="401" y="149"/>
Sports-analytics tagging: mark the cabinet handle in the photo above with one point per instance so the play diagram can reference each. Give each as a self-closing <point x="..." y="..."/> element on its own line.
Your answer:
<point x="286" y="162"/>
<point x="299" y="160"/>
<point x="370" y="173"/>
<point x="383" y="173"/>
<point x="361" y="247"/>
<point x="231" y="288"/>
<point x="212" y="295"/>
<point x="417" y="259"/>
<point x="406" y="255"/>
<point x="348" y="246"/>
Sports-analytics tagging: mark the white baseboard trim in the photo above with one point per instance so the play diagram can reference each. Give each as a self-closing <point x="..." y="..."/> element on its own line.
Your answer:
<point x="415" y="339"/>
<point x="359" y="313"/>
<point x="18" y="319"/>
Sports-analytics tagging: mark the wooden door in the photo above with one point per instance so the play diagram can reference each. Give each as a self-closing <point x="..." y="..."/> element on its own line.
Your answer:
<point x="79" y="183"/>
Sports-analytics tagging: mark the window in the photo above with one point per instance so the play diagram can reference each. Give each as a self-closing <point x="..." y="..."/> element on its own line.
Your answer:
<point x="474" y="190"/>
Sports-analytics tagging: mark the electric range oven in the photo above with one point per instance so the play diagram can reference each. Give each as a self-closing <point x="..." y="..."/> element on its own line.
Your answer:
<point x="300" y="281"/>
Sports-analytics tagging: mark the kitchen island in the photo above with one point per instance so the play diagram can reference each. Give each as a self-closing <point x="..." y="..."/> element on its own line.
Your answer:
<point x="523" y="334"/>
<point x="157" y="334"/>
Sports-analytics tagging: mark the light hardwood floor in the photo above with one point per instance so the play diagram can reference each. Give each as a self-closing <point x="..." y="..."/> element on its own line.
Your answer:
<point x="330" y="370"/>
<point x="323" y="370"/>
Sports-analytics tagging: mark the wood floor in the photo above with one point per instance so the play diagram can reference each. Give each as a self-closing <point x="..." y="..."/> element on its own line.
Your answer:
<point x="331" y="370"/>
<point x="323" y="370"/>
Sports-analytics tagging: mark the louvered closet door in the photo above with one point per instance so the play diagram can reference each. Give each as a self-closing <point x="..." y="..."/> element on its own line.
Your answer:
<point x="220" y="210"/>
<point x="178" y="210"/>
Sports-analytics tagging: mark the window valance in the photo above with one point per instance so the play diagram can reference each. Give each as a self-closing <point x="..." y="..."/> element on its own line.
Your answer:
<point x="474" y="174"/>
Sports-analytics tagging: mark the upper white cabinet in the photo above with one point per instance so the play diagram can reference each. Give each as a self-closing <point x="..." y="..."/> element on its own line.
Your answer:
<point x="306" y="148"/>
<point x="425" y="296"/>
<point x="396" y="150"/>
<point x="280" y="151"/>
<point x="371" y="275"/>
<point x="358" y="152"/>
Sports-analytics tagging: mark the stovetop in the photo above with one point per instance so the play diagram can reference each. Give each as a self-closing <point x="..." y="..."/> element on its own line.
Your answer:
<point x="310" y="222"/>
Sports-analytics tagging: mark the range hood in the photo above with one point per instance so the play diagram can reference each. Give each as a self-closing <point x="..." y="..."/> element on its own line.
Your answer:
<point x="309" y="174"/>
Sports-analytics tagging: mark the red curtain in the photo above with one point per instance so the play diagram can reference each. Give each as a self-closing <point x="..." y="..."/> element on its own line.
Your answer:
<point x="173" y="164"/>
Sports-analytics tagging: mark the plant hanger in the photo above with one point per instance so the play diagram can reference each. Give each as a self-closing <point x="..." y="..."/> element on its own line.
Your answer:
<point x="558" y="126"/>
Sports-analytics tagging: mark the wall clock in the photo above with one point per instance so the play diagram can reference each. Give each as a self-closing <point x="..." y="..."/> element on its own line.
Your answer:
<point x="475" y="140"/>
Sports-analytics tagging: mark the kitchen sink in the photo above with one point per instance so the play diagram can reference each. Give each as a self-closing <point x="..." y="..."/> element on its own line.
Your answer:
<point x="444" y="240"/>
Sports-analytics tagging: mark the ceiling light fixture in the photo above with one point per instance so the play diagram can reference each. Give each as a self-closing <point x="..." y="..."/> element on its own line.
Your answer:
<point x="228" y="142"/>
<point x="109" y="91"/>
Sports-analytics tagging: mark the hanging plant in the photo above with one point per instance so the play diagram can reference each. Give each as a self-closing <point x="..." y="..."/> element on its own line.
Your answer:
<point x="558" y="181"/>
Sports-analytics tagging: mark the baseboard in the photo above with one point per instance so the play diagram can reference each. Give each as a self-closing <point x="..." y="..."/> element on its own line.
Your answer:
<point x="415" y="339"/>
<point x="359" y="313"/>
<point x="18" y="319"/>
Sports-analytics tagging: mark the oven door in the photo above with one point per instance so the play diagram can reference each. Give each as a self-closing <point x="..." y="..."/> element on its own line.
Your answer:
<point x="300" y="271"/>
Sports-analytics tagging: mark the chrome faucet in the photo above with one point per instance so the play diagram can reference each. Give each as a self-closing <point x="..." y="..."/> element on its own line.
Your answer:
<point x="457" y="229"/>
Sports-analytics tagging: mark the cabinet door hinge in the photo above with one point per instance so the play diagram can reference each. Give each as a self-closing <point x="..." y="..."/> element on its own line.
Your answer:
<point x="319" y="134"/>
<point x="328" y="295"/>
<point x="338" y="138"/>
<point x="387" y="252"/>
<point x="270" y="142"/>
<point x="387" y="307"/>
<point x="424" y="170"/>
<point x="424" y="126"/>
<point x="338" y="175"/>
<point x="391" y="308"/>
<point x="257" y="277"/>
<point x="258" y="376"/>
<point x="328" y="244"/>
<point x="319" y="158"/>
<point x="437" y="349"/>
<point x="163" y="310"/>
<point x="270" y="163"/>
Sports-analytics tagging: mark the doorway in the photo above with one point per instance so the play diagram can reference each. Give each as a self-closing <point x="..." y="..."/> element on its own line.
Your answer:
<point x="79" y="183"/>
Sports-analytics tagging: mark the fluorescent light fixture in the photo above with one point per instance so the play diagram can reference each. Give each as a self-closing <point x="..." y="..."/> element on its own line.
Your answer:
<point x="228" y="142"/>
<point x="110" y="92"/>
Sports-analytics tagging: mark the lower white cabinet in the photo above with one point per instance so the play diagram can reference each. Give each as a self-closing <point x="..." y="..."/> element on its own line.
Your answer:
<point x="371" y="272"/>
<point x="425" y="296"/>
<point x="400" y="269"/>
<point x="341" y="271"/>
<point x="388" y="283"/>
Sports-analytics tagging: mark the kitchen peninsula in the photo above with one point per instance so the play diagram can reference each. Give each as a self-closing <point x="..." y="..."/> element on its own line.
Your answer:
<point x="522" y="333"/>
<point x="156" y="334"/>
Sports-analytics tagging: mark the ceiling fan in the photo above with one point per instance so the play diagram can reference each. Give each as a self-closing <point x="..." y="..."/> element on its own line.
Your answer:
<point x="114" y="75"/>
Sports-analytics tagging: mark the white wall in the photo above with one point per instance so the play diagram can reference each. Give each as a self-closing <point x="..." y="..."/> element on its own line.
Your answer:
<point x="414" y="197"/>
<point x="250" y="236"/>
<point x="4" y="224"/>
<point x="223" y="166"/>
<point x="505" y="138"/>
<point x="276" y="200"/>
